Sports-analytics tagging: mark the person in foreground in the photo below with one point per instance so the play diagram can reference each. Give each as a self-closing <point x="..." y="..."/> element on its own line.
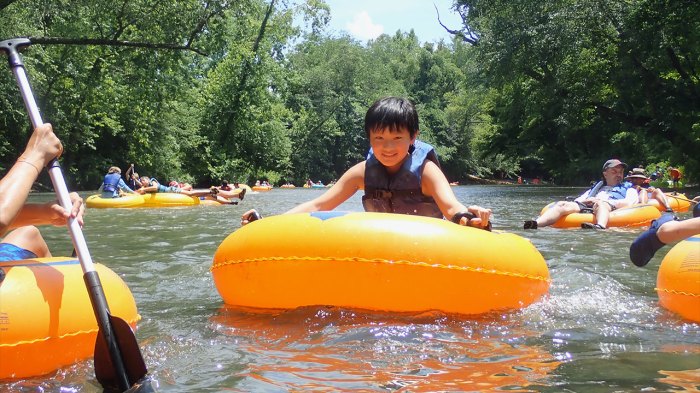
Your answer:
<point x="663" y="231"/>
<point x="20" y="238"/>
<point x="401" y="174"/>
<point x="113" y="186"/>
<point x="604" y="197"/>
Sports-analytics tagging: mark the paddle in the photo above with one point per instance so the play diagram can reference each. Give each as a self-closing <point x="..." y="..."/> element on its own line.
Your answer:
<point x="118" y="360"/>
<point x="681" y="198"/>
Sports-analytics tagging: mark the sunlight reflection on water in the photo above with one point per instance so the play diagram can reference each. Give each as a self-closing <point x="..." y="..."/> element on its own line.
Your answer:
<point x="600" y="324"/>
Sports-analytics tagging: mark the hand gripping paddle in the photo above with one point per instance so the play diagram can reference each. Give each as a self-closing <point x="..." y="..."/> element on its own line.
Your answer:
<point x="118" y="360"/>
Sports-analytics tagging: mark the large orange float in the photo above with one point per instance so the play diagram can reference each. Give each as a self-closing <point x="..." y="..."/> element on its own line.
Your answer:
<point x="678" y="279"/>
<point x="377" y="261"/>
<point x="46" y="318"/>
<point x="631" y="216"/>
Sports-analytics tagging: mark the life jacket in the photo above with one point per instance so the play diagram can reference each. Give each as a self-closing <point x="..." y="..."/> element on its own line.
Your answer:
<point x="401" y="192"/>
<point x="111" y="182"/>
<point x="617" y="192"/>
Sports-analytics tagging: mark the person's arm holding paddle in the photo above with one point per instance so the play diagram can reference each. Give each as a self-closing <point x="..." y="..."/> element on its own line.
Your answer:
<point x="43" y="146"/>
<point x="18" y="216"/>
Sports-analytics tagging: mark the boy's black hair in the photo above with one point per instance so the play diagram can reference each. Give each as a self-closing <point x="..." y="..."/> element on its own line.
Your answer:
<point x="393" y="113"/>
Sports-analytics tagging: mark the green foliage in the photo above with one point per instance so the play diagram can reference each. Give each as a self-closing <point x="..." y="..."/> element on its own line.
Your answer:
<point x="258" y="89"/>
<point x="578" y="81"/>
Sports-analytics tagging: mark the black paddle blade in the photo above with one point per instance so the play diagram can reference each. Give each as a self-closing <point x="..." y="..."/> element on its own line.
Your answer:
<point x="131" y="355"/>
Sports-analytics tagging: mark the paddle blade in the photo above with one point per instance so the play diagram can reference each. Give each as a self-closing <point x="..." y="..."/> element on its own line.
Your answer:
<point x="142" y="386"/>
<point x="131" y="355"/>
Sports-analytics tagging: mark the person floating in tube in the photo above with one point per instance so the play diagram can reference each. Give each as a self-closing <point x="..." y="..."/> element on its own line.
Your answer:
<point x="400" y="175"/>
<point x="601" y="199"/>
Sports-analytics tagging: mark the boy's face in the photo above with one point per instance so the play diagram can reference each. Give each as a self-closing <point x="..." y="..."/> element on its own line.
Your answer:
<point x="391" y="146"/>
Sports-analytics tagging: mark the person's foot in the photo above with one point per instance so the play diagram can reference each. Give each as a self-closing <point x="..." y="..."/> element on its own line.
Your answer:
<point x="530" y="224"/>
<point x="589" y="225"/>
<point x="241" y="194"/>
<point x="647" y="244"/>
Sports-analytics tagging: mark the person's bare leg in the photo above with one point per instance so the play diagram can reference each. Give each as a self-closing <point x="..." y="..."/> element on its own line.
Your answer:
<point x="601" y="213"/>
<point x="661" y="197"/>
<point x="557" y="211"/>
<point x="29" y="238"/>
<point x="674" y="231"/>
<point x="196" y="193"/>
<point x="643" y="196"/>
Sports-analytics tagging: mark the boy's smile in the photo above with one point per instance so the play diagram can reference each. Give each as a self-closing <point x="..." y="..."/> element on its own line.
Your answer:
<point x="391" y="146"/>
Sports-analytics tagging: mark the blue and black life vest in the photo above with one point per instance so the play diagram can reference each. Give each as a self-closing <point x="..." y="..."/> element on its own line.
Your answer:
<point x="401" y="192"/>
<point x="111" y="182"/>
<point x="617" y="192"/>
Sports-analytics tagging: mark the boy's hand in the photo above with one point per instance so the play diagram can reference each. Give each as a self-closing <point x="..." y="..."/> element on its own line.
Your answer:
<point x="482" y="219"/>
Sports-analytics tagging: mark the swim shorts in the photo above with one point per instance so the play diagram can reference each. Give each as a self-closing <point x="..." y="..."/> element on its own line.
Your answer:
<point x="10" y="252"/>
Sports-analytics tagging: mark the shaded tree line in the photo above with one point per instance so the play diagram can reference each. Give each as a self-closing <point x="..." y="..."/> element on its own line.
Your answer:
<point x="202" y="91"/>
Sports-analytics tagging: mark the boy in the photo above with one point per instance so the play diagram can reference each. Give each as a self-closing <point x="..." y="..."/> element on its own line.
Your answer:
<point x="400" y="175"/>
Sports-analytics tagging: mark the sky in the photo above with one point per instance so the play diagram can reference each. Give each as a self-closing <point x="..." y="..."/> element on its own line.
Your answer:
<point x="367" y="19"/>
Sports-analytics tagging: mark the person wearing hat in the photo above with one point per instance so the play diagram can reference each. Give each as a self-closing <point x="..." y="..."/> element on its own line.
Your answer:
<point x="640" y="182"/>
<point x="604" y="197"/>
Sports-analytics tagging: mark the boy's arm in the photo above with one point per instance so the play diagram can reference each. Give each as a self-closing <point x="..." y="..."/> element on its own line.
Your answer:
<point x="435" y="184"/>
<point x="348" y="184"/>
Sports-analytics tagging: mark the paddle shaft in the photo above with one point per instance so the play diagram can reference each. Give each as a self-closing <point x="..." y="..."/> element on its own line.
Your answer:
<point x="92" y="279"/>
<point x="682" y="199"/>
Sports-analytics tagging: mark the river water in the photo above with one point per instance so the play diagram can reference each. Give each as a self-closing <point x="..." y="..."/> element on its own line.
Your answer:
<point x="599" y="330"/>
